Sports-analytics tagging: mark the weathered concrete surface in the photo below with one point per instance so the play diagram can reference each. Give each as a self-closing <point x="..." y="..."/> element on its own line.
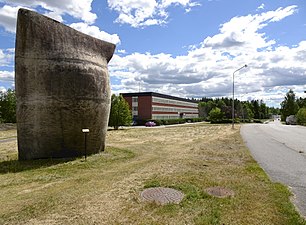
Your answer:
<point x="62" y="86"/>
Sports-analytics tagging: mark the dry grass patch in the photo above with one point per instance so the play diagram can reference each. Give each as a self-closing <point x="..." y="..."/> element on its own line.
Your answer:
<point x="106" y="188"/>
<point x="7" y="131"/>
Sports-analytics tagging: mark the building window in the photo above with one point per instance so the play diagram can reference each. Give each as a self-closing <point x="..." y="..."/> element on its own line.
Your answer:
<point x="135" y="102"/>
<point x="135" y="99"/>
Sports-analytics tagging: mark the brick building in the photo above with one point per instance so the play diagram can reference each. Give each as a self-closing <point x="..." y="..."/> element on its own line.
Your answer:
<point x="151" y="105"/>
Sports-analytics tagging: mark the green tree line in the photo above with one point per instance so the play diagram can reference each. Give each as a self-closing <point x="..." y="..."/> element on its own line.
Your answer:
<point x="221" y="109"/>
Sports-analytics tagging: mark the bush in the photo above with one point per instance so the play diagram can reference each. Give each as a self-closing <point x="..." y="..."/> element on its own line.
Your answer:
<point x="194" y="120"/>
<point x="301" y="116"/>
<point x="216" y="115"/>
<point x="140" y="122"/>
<point x="157" y="122"/>
<point x="223" y="121"/>
<point x="174" y="121"/>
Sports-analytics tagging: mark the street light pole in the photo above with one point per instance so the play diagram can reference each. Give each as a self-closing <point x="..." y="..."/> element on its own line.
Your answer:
<point x="233" y="103"/>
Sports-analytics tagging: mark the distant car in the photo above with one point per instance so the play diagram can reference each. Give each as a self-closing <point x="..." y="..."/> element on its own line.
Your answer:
<point x="150" y="124"/>
<point x="291" y="120"/>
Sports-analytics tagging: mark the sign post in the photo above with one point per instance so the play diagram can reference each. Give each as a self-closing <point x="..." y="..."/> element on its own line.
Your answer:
<point x="85" y="131"/>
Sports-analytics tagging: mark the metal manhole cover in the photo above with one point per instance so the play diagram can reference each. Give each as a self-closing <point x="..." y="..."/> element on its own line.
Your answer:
<point x="220" y="192"/>
<point x="162" y="196"/>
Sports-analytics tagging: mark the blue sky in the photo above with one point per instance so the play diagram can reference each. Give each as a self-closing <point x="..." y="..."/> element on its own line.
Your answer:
<point x="186" y="48"/>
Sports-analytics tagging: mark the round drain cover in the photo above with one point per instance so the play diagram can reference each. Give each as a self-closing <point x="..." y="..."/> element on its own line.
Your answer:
<point x="162" y="196"/>
<point x="220" y="192"/>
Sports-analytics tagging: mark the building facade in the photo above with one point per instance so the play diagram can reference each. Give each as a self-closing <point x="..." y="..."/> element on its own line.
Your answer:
<point x="155" y="106"/>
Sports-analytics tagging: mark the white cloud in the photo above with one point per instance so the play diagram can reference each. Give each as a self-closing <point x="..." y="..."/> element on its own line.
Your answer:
<point x="52" y="8"/>
<point x="142" y="13"/>
<point x="241" y="33"/>
<point x="7" y="61"/>
<point x="96" y="32"/>
<point x="56" y="9"/>
<point x="54" y="15"/>
<point x="134" y="12"/>
<point x="7" y="76"/>
<point x="6" y="57"/>
<point x="2" y="89"/>
<point x="206" y="70"/>
<point x="262" y="6"/>
<point x="8" y="17"/>
<point x="77" y="9"/>
<point x="121" y="51"/>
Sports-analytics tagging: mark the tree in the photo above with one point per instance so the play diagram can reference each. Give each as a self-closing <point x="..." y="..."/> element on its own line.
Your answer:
<point x="264" y="112"/>
<point x="289" y="106"/>
<point x="246" y="110"/>
<point x="120" y="114"/>
<point x="8" y="106"/>
<point x="202" y="109"/>
<point x="205" y="107"/>
<point x="301" y="102"/>
<point x="249" y="112"/>
<point x="216" y="115"/>
<point x="256" y="109"/>
<point x="301" y="116"/>
<point x="274" y="111"/>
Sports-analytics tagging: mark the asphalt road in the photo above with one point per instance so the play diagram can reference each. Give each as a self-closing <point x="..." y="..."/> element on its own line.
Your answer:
<point x="281" y="151"/>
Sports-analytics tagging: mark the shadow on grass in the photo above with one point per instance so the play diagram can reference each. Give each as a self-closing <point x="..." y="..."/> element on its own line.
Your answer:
<point x="15" y="166"/>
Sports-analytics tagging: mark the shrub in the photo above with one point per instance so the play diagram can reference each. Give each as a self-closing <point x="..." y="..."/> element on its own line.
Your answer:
<point x="222" y="121"/>
<point x="194" y="120"/>
<point x="301" y="116"/>
<point x="216" y="115"/>
<point x="157" y="122"/>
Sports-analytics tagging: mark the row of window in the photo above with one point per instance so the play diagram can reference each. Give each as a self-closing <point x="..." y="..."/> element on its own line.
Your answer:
<point x="165" y="109"/>
<point x="165" y="116"/>
<point x="173" y="109"/>
<point x="160" y="117"/>
<point x="173" y="102"/>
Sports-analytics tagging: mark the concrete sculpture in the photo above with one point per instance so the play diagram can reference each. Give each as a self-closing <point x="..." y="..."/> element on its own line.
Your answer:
<point x="62" y="86"/>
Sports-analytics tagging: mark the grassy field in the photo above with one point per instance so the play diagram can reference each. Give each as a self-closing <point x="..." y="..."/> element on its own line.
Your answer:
<point x="106" y="188"/>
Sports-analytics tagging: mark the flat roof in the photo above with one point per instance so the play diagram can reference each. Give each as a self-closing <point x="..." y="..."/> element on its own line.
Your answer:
<point x="156" y="95"/>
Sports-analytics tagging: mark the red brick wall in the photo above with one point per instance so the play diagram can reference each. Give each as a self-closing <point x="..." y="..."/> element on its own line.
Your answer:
<point x="129" y="100"/>
<point x="145" y="107"/>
